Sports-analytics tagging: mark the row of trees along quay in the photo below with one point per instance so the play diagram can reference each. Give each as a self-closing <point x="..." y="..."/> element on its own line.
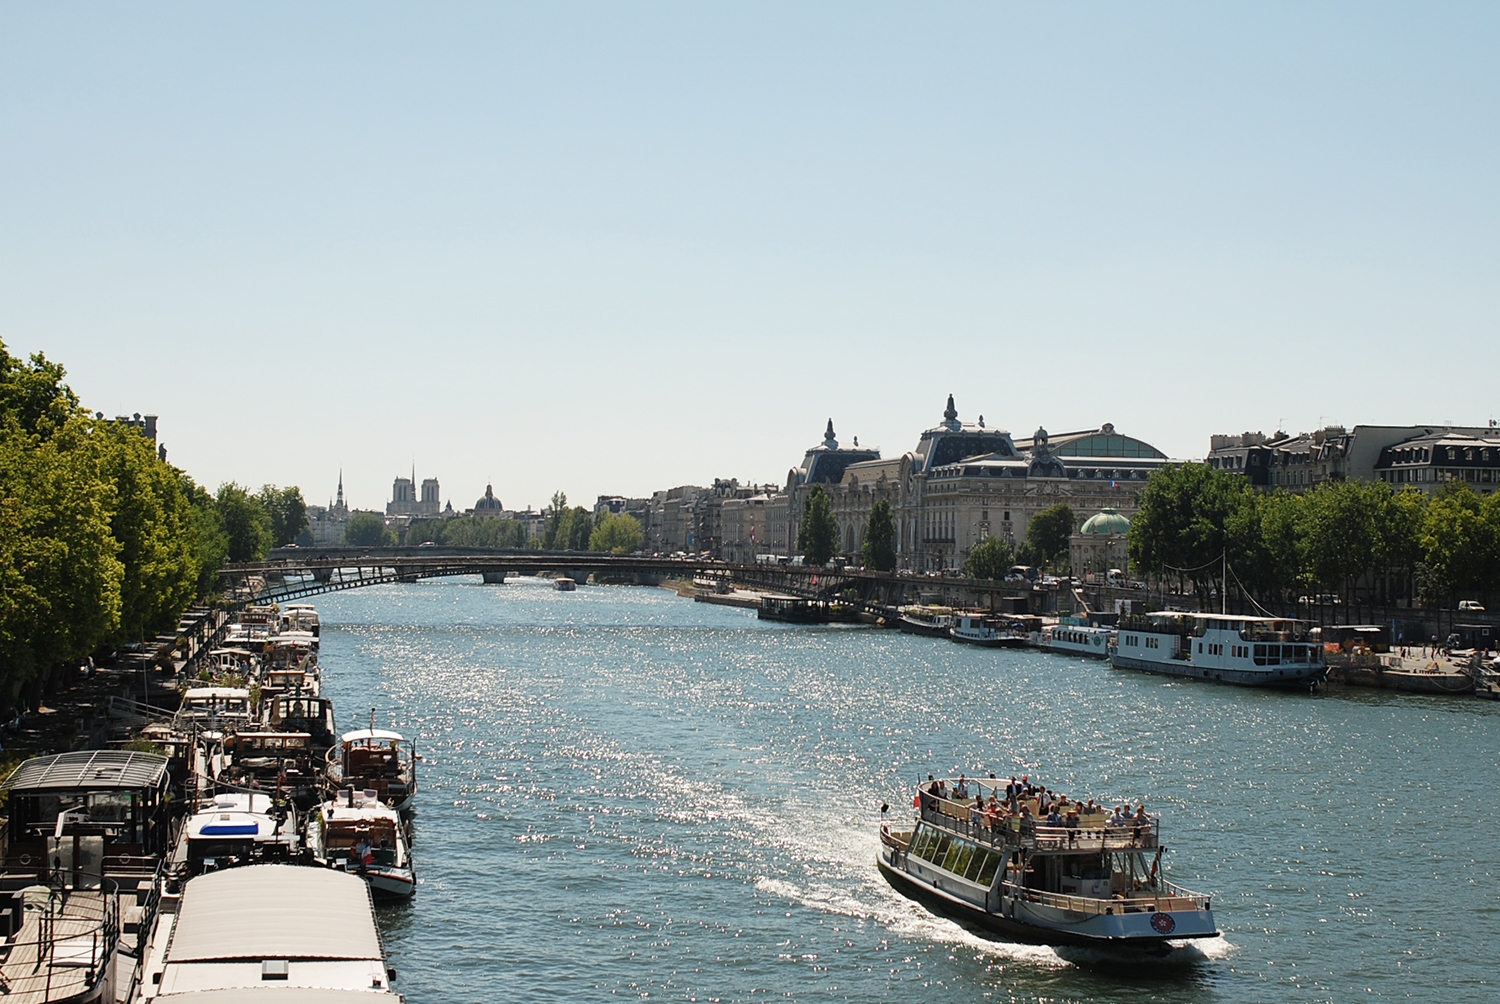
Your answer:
<point x="102" y="542"/>
<point x="1362" y="544"/>
<point x="567" y="529"/>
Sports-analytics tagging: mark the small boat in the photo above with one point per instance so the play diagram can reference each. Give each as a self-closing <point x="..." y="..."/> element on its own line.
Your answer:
<point x="377" y="760"/>
<point x="236" y="828"/>
<point x="1076" y="639"/>
<point x="358" y="833"/>
<point x="987" y="630"/>
<point x="565" y="584"/>
<point x="1411" y="676"/>
<point x="1082" y="883"/>
<point x="931" y="621"/>
<point x="1221" y="648"/>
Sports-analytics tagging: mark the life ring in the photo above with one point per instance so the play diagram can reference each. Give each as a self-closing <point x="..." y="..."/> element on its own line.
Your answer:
<point x="25" y="859"/>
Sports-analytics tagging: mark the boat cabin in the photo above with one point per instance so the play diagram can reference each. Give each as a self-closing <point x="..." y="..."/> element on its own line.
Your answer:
<point x="88" y="814"/>
<point x="216" y="707"/>
<point x="377" y="760"/>
<point x="236" y="828"/>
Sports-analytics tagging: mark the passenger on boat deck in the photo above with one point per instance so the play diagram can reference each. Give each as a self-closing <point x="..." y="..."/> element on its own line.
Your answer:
<point x="1141" y="819"/>
<point x="961" y="789"/>
<point x="1054" y="818"/>
<point x="1013" y="789"/>
<point x="1119" y="818"/>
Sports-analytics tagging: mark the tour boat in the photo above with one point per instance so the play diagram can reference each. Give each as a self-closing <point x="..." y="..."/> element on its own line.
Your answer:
<point x="236" y="828"/>
<point x="1076" y="639"/>
<point x="931" y="621"/>
<point x="1087" y="883"/>
<point x="1221" y="648"/>
<point x="987" y="630"/>
<point x="358" y="833"/>
<point x="565" y="585"/>
<point x="377" y="760"/>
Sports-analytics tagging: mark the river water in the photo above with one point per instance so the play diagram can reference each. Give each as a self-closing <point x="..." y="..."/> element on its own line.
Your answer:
<point x="625" y="794"/>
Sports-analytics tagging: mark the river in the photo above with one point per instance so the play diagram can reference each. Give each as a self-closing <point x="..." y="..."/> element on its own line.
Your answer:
<point x="625" y="794"/>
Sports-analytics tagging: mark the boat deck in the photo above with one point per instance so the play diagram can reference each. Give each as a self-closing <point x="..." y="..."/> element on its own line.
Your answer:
<point x="60" y="957"/>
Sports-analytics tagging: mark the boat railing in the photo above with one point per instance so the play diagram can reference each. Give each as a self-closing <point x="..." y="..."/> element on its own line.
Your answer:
<point x="1169" y="899"/>
<point x="1095" y="834"/>
<point x="50" y="961"/>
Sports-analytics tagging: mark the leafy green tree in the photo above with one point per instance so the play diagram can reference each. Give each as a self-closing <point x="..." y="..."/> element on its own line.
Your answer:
<point x="1048" y="533"/>
<point x="247" y="525"/>
<point x="33" y="395"/>
<point x="989" y="559"/>
<point x="367" y="529"/>
<point x="580" y="529"/>
<point x="1457" y="543"/>
<point x="155" y="525"/>
<point x="210" y="543"/>
<point x="288" y="512"/>
<point x="817" y="535"/>
<point x="879" y="547"/>
<point x="554" y="528"/>
<point x="60" y="571"/>
<point x="617" y="533"/>
<point x="1179" y="527"/>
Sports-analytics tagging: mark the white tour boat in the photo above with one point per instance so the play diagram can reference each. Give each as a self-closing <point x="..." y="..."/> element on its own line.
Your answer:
<point x="1221" y="648"/>
<point x="1082" y="883"/>
<point x="1077" y="639"/>
<point x="358" y="833"/>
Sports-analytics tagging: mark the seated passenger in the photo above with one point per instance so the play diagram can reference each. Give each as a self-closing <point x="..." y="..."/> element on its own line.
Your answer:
<point x="1054" y="818"/>
<point x="961" y="789"/>
<point x="1118" y="819"/>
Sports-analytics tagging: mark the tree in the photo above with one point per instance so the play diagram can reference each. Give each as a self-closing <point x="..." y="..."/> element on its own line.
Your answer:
<point x="1049" y="531"/>
<point x="156" y="527"/>
<point x="210" y="542"/>
<point x="879" y="548"/>
<point x="990" y="559"/>
<point x="580" y="529"/>
<point x="60" y="571"/>
<point x="1180" y="521"/>
<point x="617" y="534"/>
<point x="367" y="529"/>
<point x="33" y="394"/>
<point x="287" y="510"/>
<point x="247" y="525"/>
<point x="818" y="533"/>
<point x="555" y="518"/>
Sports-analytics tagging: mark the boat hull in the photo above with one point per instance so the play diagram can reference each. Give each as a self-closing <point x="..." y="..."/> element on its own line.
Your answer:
<point x="1297" y="677"/>
<point x="1000" y="641"/>
<point x="919" y="628"/>
<point x="1022" y="930"/>
<point x="1405" y="682"/>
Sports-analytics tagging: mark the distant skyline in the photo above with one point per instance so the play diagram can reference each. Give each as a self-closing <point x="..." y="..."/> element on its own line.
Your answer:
<point x="615" y="249"/>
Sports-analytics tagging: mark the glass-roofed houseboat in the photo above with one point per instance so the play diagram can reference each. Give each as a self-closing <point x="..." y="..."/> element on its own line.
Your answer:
<point x="1084" y="882"/>
<point x="1221" y="648"/>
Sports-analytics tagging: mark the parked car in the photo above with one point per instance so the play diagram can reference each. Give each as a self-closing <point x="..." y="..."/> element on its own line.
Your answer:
<point x="1473" y="606"/>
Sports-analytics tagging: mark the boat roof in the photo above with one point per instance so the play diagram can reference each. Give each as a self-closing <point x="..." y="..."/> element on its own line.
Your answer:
<point x="202" y="692"/>
<point x="88" y="770"/>
<point x="275" y="912"/>
<point x="362" y="734"/>
<point x="1219" y="617"/>
<point x="276" y="995"/>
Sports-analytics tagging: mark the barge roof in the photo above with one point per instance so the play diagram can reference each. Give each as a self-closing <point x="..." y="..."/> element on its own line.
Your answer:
<point x="88" y="770"/>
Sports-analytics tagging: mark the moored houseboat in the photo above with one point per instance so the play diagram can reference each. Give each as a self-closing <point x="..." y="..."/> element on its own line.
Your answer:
<point x="377" y="760"/>
<point x="987" y="630"/>
<point x="931" y="621"/>
<point x="1078" y="882"/>
<point x="1077" y="639"/>
<point x="1221" y="648"/>
<point x="358" y="833"/>
<point x="235" y="828"/>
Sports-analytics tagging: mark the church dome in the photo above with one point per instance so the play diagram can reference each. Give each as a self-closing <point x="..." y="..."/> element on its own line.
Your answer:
<point x="1106" y="522"/>
<point x="489" y="503"/>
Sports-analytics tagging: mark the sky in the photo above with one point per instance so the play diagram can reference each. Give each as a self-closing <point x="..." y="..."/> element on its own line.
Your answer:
<point x="610" y="248"/>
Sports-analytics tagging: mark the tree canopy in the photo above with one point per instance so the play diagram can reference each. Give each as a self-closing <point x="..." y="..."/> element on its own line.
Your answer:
<point x="617" y="533"/>
<point x="879" y="548"/>
<point x="817" y="535"/>
<point x="287" y="510"/>
<point x="1048" y="532"/>
<point x="367" y="529"/>
<point x="991" y="558"/>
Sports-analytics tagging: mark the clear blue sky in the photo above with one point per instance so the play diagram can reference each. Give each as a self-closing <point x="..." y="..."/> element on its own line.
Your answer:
<point x="613" y="248"/>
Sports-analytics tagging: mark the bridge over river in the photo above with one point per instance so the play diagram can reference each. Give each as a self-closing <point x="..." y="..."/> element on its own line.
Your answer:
<point x="296" y="573"/>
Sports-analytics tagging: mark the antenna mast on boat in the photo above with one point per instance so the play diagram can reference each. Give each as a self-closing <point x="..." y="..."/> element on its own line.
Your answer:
<point x="1223" y="583"/>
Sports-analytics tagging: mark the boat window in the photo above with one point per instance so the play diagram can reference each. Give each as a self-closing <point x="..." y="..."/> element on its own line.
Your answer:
<point x="940" y="851"/>
<point x="959" y="858"/>
<point x="925" y="843"/>
<point x="977" y="865"/>
<point x="988" y="869"/>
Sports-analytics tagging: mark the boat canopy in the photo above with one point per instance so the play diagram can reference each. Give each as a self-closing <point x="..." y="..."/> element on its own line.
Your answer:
<point x="366" y="735"/>
<point x="216" y="693"/>
<point x="89" y="770"/>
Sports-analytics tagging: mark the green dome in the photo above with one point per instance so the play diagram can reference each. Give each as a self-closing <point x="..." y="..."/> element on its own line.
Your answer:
<point x="1106" y="522"/>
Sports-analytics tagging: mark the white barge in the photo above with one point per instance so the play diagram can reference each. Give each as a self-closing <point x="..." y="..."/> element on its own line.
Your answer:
<point x="1085" y="882"/>
<point x="1077" y="639"/>
<point x="1221" y="648"/>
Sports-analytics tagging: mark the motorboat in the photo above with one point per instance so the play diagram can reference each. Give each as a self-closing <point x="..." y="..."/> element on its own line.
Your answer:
<point x="236" y="828"/>
<point x="377" y="760"/>
<point x="1221" y="648"/>
<point x="564" y="584"/>
<point x="357" y="832"/>
<point x="1077" y="639"/>
<point x="1080" y="881"/>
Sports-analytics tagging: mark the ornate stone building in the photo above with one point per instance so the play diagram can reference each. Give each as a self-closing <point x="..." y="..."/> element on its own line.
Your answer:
<point x="965" y="482"/>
